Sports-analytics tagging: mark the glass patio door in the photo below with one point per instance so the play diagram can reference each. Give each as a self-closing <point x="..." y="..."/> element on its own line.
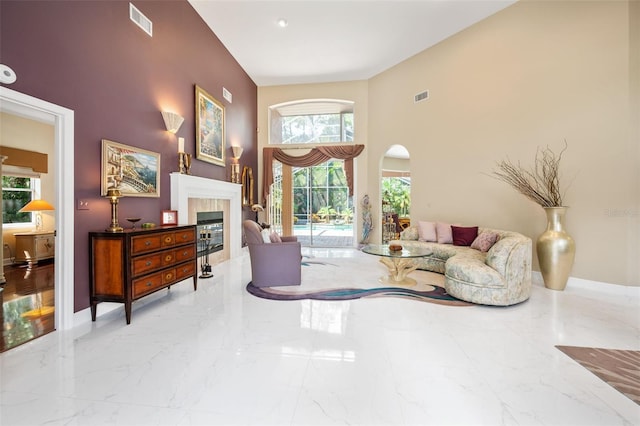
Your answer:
<point x="321" y="209"/>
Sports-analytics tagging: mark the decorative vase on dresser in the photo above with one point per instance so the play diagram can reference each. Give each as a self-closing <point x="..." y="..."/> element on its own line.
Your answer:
<point x="556" y="250"/>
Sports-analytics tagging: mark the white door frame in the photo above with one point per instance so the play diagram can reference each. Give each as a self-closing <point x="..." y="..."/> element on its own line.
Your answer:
<point x="63" y="121"/>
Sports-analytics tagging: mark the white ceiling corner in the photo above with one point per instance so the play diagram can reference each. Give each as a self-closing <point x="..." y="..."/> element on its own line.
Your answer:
<point x="329" y="41"/>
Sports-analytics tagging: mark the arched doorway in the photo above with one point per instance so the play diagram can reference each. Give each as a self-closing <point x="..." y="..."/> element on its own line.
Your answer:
<point x="395" y="192"/>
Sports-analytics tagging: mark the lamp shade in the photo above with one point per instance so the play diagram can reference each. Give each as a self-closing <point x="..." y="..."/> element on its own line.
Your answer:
<point x="36" y="206"/>
<point x="237" y="151"/>
<point x="172" y="120"/>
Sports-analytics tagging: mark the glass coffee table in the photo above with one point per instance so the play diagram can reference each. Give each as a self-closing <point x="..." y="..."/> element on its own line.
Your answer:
<point x="400" y="263"/>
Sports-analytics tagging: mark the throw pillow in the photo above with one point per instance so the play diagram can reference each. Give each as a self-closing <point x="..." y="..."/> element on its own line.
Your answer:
<point x="443" y="231"/>
<point x="427" y="231"/>
<point x="266" y="237"/>
<point x="464" y="236"/>
<point x="275" y="238"/>
<point x="484" y="241"/>
<point x="409" y="234"/>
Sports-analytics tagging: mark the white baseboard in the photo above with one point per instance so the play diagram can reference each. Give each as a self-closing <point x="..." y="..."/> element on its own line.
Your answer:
<point x="83" y="317"/>
<point x="578" y="284"/>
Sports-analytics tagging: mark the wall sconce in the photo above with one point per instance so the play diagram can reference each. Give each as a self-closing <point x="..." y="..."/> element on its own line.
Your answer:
<point x="36" y="206"/>
<point x="172" y="121"/>
<point x="235" y="165"/>
<point x="113" y="195"/>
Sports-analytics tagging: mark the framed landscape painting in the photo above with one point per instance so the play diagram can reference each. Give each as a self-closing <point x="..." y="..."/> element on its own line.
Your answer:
<point x="209" y="128"/>
<point x="134" y="171"/>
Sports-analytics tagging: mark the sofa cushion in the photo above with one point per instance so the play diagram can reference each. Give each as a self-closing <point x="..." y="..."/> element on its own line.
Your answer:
<point x="484" y="241"/>
<point x="471" y="269"/>
<point x="409" y="234"/>
<point x="274" y="237"/>
<point x="464" y="236"/>
<point x="427" y="231"/>
<point x="253" y="232"/>
<point x="444" y="233"/>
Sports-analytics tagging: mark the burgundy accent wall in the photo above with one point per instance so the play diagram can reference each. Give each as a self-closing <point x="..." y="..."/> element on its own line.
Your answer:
<point x="89" y="56"/>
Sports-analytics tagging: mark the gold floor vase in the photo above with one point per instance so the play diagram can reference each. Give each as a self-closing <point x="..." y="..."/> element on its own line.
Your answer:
<point x="556" y="250"/>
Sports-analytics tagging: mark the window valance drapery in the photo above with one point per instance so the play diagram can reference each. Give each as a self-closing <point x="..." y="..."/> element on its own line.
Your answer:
<point x="316" y="156"/>
<point x="35" y="161"/>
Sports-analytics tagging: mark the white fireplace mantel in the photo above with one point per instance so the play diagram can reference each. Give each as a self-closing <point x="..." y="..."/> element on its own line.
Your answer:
<point x="184" y="187"/>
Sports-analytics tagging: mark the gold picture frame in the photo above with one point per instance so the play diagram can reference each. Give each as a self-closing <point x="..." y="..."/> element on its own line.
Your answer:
<point x="210" y="123"/>
<point x="134" y="171"/>
<point x="247" y="186"/>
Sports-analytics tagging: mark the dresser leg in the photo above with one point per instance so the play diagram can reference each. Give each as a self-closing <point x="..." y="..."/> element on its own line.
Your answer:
<point x="127" y="311"/>
<point x="94" y="310"/>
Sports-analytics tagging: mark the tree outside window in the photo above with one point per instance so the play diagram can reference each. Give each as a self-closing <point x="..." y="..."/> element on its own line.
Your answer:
<point x="16" y="193"/>
<point x="396" y="192"/>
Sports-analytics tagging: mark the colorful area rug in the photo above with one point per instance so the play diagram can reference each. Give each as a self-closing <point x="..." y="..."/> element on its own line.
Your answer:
<point x="356" y="278"/>
<point x="618" y="368"/>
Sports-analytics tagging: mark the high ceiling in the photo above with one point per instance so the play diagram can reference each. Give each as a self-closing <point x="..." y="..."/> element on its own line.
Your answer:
<point x="327" y="41"/>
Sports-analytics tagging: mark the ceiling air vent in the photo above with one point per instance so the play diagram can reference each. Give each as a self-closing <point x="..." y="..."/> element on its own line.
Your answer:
<point x="140" y="20"/>
<point x="421" y="96"/>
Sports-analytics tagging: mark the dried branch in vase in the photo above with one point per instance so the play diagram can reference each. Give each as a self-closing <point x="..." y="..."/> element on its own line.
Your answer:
<point x="540" y="184"/>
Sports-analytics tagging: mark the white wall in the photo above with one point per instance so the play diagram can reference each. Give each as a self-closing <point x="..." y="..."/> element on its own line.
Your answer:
<point x="532" y="75"/>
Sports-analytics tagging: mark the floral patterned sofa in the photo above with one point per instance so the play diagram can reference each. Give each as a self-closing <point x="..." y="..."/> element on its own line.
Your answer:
<point x="501" y="276"/>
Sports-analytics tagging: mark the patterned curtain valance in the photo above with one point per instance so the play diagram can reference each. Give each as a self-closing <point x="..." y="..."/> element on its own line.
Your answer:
<point x="316" y="156"/>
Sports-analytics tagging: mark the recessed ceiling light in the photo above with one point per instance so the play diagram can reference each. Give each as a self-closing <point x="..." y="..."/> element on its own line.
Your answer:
<point x="282" y="23"/>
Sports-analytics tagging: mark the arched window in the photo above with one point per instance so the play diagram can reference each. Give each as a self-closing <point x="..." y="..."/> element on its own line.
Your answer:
<point x="313" y="121"/>
<point x="312" y="202"/>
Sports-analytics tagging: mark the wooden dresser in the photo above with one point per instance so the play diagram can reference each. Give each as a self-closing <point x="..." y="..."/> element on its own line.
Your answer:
<point x="126" y="266"/>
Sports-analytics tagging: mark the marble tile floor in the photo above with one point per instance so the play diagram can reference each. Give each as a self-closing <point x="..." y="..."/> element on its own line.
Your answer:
<point x="220" y="356"/>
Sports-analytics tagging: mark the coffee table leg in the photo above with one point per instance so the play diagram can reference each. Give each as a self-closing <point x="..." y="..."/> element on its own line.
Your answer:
<point x="398" y="270"/>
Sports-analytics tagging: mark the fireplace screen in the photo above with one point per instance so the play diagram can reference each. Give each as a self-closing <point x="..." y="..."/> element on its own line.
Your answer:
<point x="210" y="232"/>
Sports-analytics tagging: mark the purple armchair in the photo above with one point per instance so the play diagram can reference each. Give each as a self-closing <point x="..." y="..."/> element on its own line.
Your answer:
<point x="272" y="264"/>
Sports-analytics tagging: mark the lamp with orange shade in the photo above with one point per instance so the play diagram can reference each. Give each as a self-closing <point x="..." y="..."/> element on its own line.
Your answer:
<point x="37" y="206"/>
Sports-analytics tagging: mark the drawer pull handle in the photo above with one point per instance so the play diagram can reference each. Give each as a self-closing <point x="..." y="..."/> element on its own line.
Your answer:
<point x="148" y="263"/>
<point x="168" y="276"/>
<point x="185" y="269"/>
<point x="147" y="243"/>
<point x="185" y="236"/>
<point x="185" y="253"/>
<point x="167" y="258"/>
<point x="149" y="284"/>
<point x="167" y="240"/>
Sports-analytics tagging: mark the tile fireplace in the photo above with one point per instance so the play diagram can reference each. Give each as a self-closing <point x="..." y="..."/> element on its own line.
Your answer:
<point x="193" y="194"/>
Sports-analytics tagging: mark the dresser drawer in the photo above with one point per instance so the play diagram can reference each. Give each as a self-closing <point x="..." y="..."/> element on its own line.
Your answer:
<point x="185" y="253"/>
<point x="185" y="236"/>
<point x="145" y="285"/>
<point x="185" y="270"/>
<point x="145" y="243"/>
<point x="148" y="263"/>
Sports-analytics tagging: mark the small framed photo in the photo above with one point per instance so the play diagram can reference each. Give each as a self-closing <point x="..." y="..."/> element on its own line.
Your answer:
<point x="169" y="217"/>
